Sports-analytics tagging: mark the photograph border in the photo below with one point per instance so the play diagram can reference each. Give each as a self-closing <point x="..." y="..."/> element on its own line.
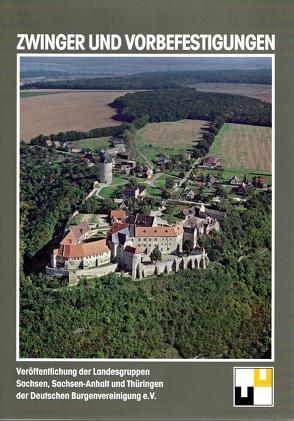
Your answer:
<point x="147" y="360"/>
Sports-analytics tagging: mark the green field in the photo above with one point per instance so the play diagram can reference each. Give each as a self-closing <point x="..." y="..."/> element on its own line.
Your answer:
<point x="160" y="182"/>
<point x="244" y="148"/>
<point x="92" y="143"/>
<point x="168" y="138"/>
<point x="153" y="192"/>
<point x="116" y="182"/>
<point x="227" y="174"/>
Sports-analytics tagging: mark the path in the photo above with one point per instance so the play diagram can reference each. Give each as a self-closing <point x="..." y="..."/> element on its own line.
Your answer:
<point x="185" y="178"/>
<point x="146" y="160"/>
<point x="152" y="180"/>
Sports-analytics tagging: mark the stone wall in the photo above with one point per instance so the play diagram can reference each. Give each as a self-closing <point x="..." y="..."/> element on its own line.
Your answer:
<point x="199" y="260"/>
<point x="75" y="275"/>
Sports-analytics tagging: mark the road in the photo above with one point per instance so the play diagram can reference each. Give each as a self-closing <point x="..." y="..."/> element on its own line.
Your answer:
<point x="185" y="178"/>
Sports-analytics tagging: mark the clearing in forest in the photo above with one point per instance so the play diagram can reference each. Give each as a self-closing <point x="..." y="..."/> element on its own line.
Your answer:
<point x="244" y="147"/>
<point x="169" y="137"/>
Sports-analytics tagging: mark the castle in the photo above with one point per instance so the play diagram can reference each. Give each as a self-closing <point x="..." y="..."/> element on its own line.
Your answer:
<point x="129" y="247"/>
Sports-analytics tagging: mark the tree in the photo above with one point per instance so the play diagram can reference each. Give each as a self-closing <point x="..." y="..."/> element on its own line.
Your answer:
<point x="169" y="183"/>
<point x="132" y="181"/>
<point x="165" y="194"/>
<point x="155" y="255"/>
<point x="188" y="246"/>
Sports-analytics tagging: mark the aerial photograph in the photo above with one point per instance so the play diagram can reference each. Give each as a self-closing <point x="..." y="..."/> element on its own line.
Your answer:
<point x="145" y="207"/>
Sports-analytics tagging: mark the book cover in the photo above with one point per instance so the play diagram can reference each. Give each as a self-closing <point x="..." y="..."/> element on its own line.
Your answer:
<point x="146" y="210"/>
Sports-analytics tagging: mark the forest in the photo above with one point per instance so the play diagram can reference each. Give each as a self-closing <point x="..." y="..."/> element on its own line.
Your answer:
<point x="50" y="189"/>
<point x="159" y="80"/>
<point x="178" y="104"/>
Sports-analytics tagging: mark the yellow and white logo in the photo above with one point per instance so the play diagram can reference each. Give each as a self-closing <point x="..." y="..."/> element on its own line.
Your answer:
<point x="253" y="386"/>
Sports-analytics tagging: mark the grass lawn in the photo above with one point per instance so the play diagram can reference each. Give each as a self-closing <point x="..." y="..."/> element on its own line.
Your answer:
<point x="160" y="182"/>
<point x="92" y="143"/>
<point x="153" y="192"/>
<point x="116" y="182"/>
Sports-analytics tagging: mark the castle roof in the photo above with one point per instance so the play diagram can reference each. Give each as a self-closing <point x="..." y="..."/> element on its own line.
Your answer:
<point x="117" y="227"/>
<point x="104" y="156"/>
<point x="119" y="214"/>
<point x="158" y="231"/>
<point x="140" y="219"/>
<point x="133" y="250"/>
<point x="80" y="229"/>
<point x="83" y="250"/>
<point x="73" y="236"/>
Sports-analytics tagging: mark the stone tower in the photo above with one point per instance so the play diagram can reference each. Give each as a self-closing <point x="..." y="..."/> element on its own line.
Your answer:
<point x="105" y="167"/>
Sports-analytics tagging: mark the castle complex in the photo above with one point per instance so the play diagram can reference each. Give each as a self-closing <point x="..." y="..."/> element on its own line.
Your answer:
<point x="130" y="244"/>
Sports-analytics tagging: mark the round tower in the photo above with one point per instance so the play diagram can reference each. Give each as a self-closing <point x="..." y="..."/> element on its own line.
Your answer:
<point x="105" y="167"/>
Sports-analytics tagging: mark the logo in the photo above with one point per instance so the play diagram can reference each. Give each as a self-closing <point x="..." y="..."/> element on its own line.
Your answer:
<point x="253" y="386"/>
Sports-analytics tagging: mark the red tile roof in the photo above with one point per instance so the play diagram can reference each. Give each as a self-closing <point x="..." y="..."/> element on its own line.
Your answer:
<point x="83" y="250"/>
<point x="75" y="233"/>
<point x="210" y="160"/>
<point x="133" y="250"/>
<point x="158" y="231"/>
<point x="80" y="229"/>
<point x="117" y="227"/>
<point x="118" y="214"/>
<point x="70" y="238"/>
<point x="261" y="180"/>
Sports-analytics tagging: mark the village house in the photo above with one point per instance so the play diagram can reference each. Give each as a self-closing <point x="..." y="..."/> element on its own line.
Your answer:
<point x="235" y="181"/>
<point x="133" y="192"/>
<point x="190" y="194"/>
<point x="210" y="162"/>
<point x="117" y="216"/>
<point x="211" y="179"/>
<point x="200" y="184"/>
<point x="260" y="182"/>
<point x="187" y="155"/>
<point x="147" y="172"/>
<point x="241" y="190"/>
<point x="202" y="212"/>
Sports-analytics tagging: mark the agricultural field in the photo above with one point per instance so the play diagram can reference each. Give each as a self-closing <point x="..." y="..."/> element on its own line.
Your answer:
<point x="168" y="137"/>
<point x="263" y="92"/>
<point x="62" y="111"/>
<point x="92" y="143"/>
<point x="244" y="148"/>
